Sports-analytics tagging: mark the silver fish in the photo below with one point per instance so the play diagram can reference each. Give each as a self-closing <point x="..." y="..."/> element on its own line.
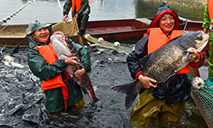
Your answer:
<point x="165" y="62"/>
<point x="64" y="48"/>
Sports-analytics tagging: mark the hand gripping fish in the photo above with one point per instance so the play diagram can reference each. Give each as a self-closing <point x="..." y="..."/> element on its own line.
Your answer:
<point x="164" y="63"/>
<point x="64" y="48"/>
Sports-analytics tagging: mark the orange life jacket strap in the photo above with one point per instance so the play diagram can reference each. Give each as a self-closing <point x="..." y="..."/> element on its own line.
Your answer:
<point x="157" y="35"/>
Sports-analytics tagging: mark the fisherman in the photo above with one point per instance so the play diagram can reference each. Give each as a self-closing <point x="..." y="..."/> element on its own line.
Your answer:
<point x="80" y="11"/>
<point x="165" y="102"/>
<point x="60" y="90"/>
<point x="208" y="26"/>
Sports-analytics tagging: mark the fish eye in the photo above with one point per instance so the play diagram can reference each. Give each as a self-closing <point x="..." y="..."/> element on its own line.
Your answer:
<point x="199" y="37"/>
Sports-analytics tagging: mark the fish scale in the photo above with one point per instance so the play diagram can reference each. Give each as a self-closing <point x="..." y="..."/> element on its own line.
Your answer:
<point x="169" y="57"/>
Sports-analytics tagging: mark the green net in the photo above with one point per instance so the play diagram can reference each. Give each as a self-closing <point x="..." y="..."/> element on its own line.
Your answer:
<point x="204" y="101"/>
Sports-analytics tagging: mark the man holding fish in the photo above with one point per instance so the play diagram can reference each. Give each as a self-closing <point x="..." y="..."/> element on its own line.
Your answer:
<point x="159" y="65"/>
<point x="60" y="89"/>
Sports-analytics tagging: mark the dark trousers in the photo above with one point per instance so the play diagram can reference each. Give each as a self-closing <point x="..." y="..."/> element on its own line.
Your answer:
<point x="83" y="19"/>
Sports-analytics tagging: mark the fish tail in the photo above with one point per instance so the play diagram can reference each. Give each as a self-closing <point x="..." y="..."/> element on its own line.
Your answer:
<point x="150" y="90"/>
<point x="129" y="90"/>
<point x="90" y="91"/>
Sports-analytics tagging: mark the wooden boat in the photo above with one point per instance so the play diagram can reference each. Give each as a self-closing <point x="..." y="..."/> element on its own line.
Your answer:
<point x="114" y="30"/>
<point x="110" y="30"/>
<point x="107" y="29"/>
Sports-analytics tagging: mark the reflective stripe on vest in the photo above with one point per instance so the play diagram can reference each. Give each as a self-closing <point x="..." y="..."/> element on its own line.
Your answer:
<point x="157" y="35"/>
<point x="210" y="9"/>
<point x="49" y="55"/>
<point x="76" y="4"/>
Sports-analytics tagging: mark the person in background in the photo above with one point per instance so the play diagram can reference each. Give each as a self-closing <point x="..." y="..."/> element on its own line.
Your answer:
<point x="61" y="92"/>
<point x="80" y="11"/>
<point x="208" y="26"/>
<point x="165" y="102"/>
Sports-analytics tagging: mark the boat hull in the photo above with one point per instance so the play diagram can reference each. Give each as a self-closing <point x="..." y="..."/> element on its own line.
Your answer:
<point x="110" y="30"/>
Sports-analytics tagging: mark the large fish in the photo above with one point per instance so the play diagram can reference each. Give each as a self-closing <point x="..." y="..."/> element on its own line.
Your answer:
<point x="64" y="48"/>
<point x="164" y="63"/>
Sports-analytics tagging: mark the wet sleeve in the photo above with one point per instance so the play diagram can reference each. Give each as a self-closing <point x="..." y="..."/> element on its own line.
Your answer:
<point x="84" y="5"/>
<point x="41" y="68"/>
<point x="137" y="54"/>
<point x="206" y="18"/>
<point x="199" y="63"/>
<point x="84" y="56"/>
<point x="67" y="6"/>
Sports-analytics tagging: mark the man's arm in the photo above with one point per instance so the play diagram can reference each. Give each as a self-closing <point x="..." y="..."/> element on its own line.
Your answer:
<point x="67" y="6"/>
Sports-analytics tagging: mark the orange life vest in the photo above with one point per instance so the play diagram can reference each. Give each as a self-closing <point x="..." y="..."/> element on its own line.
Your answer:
<point x="210" y="9"/>
<point x="157" y="35"/>
<point x="76" y="4"/>
<point x="49" y="55"/>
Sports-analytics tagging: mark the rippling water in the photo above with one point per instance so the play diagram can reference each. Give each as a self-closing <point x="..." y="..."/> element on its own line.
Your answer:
<point x="49" y="10"/>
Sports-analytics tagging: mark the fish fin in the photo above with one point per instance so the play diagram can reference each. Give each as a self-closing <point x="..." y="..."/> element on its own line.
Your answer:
<point x="129" y="90"/>
<point x="188" y="56"/>
<point x="91" y="91"/>
<point x="170" y="77"/>
<point x="125" y="88"/>
<point x="130" y="98"/>
<point x="150" y="90"/>
<point x="144" y="59"/>
<point x="174" y="72"/>
<point x="84" y="90"/>
<point x="80" y="63"/>
<point x="15" y="50"/>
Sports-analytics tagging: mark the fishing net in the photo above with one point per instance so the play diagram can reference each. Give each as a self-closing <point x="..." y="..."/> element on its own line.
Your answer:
<point x="94" y="40"/>
<point x="204" y="100"/>
<point x="69" y="27"/>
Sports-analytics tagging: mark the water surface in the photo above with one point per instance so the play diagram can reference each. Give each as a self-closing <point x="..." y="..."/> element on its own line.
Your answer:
<point x="49" y="10"/>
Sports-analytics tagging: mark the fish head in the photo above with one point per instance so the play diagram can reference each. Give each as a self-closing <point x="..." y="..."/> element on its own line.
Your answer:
<point x="197" y="40"/>
<point x="59" y="44"/>
<point x="59" y="36"/>
<point x="201" y="41"/>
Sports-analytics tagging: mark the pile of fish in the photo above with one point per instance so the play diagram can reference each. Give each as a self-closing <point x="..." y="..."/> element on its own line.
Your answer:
<point x="22" y="101"/>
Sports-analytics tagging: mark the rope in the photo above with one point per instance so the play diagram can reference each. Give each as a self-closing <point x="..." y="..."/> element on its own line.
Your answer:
<point x="185" y="25"/>
<point x="207" y="92"/>
<point x="59" y="4"/>
<point x="3" y="28"/>
<point x="14" y="13"/>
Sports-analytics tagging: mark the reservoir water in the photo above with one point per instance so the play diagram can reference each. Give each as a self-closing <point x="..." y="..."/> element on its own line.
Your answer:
<point x="49" y="10"/>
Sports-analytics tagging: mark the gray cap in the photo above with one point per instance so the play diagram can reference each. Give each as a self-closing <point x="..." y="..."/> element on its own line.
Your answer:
<point x="36" y="25"/>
